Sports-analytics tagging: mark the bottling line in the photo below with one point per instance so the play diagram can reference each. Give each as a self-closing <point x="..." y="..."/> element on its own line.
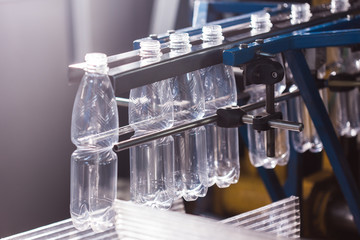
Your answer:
<point x="278" y="52"/>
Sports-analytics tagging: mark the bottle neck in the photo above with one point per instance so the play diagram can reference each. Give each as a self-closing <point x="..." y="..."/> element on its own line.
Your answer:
<point x="212" y="35"/>
<point x="179" y="43"/>
<point x="300" y="13"/>
<point x="150" y="51"/>
<point x="260" y="22"/>
<point x="99" y="69"/>
<point x="339" y="6"/>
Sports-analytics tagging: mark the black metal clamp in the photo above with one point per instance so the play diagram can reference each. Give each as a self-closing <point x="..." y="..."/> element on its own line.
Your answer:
<point x="261" y="70"/>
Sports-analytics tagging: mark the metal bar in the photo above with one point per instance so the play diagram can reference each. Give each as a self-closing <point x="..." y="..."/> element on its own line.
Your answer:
<point x="270" y="108"/>
<point x="324" y="127"/>
<point x="155" y="135"/>
<point x="287" y="125"/>
<point x="126" y="71"/>
<point x="122" y="102"/>
<point x="291" y="126"/>
<point x="292" y="41"/>
<point x="133" y="75"/>
<point x="335" y="83"/>
<point x="244" y="7"/>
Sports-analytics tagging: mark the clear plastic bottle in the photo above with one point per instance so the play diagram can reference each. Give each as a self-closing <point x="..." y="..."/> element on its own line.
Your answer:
<point x="151" y="164"/>
<point x="256" y="139"/>
<point x="93" y="163"/>
<point x="347" y="105"/>
<point x="261" y="22"/>
<point x="308" y="139"/>
<point x="190" y="149"/>
<point x="220" y="90"/>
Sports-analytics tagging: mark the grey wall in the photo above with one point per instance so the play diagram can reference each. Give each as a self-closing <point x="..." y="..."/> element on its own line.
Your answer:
<point x="36" y="45"/>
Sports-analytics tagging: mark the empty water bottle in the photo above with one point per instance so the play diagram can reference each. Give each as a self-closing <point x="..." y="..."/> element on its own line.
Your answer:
<point x="260" y="23"/>
<point x="220" y="90"/>
<point x="257" y="150"/>
<point x="308" y="139"/>
<point x="190" y="148"/>
<point x="151" y="164"/>
<point x="347" y="104"/>
<point x="93" y="163"/>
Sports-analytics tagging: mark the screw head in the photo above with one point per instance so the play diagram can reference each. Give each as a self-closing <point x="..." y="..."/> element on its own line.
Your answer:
<point x="243" y="45"/>
<point x="274" y="74"/>
<point x="170" y="31"/>
<point x="267" y="9"/>
<point x="153" y="36"/>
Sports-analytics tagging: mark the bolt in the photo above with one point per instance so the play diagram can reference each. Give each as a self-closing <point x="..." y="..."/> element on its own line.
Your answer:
<point x="350" y="17"/>
<point x="243" y="45"/>
<point x="259" y="41"/>
<point x="267" y="9"/>
<point x="274" y="74"/>
<point x="170" y="31"/>
<point x="153" y="36"/>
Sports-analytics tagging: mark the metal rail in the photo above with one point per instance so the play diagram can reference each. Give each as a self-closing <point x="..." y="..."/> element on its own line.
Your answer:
<point x="291" y="126"/>
<point x="127" y="72"/>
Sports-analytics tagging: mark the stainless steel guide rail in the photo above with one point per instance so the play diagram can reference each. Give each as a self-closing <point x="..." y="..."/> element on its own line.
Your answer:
<point x="291" y="126"/>
<point x="126" y="71"/>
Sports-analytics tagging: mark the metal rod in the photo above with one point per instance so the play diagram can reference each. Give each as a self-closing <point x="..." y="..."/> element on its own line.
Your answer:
<point x="122" y="102"/>
<point x="270" y="109"/>
<point x="283" y="124"/>
<point x="282" y="97"/>
<point x="287" y="125"/>
<point x="335" y="83"/>
<point x="167" y="132"/>
<point x="123" y="145"/>
<point x="128" y="129"/>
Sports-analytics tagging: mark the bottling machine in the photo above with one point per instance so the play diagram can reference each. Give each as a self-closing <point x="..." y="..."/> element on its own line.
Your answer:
<point x="293" y="29"/>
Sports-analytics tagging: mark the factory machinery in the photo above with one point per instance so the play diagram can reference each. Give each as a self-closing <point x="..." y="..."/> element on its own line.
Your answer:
<point x="293" y="29"/>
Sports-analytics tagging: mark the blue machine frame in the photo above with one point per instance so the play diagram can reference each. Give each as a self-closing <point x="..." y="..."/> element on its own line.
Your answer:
<point x="290" y="45"/>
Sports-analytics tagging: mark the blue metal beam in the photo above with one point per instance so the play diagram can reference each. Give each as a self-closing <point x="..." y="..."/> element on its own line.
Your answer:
<point x="271" y="183"/>
<point x="240" y="8"/>
<point x="293" y="184"/>
<point x="296" y="40"/>
<point x="323" y="125"/>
